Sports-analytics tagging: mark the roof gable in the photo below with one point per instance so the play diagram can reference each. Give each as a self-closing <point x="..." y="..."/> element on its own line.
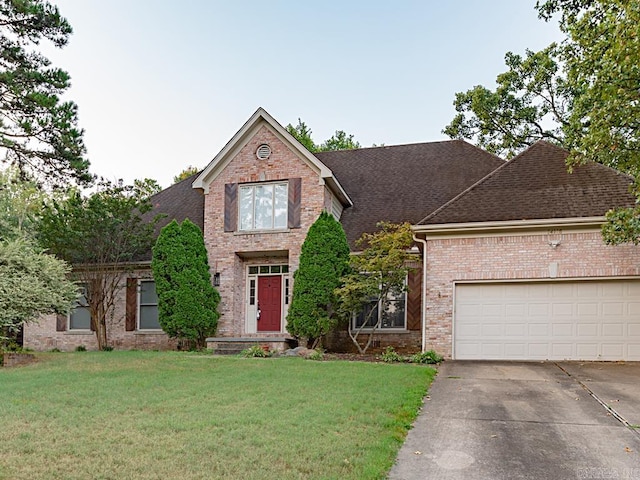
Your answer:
<point x="258" y="120"/>
<point x="537" y="185"/>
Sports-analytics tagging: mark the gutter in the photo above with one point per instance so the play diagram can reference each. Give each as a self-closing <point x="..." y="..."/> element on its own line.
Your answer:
<point x="423" y="297"/>
<point x="469" y="227"/>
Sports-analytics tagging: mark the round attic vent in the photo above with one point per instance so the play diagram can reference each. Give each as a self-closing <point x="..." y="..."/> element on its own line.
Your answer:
<point x="263" y="151"/>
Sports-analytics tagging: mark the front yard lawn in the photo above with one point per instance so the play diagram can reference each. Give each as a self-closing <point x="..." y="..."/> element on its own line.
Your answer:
<point x="143" y="415"/>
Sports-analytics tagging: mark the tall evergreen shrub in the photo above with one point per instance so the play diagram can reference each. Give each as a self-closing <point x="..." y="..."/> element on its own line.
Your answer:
<point x="324" y="259"/>
<point x="187" y="301"/>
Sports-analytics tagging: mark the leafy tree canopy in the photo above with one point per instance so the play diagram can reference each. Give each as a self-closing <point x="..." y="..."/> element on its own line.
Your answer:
<point x="186" y="173"/>
<point x="20" y="204"/>
<point x="32" y="283"/>
<point x="324" y="259"/>
<point x="100" y="234"/>
<point x="38" y="131"/>
<point x="338" y="141"/>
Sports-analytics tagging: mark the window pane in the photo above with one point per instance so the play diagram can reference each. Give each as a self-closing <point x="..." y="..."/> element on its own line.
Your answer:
<point x="362" y="316"/>
<point x="246" y="208"/>
<point x="264" y="269"/>
<point x="148" y="294"/>
<point x="263" y="206"/>
<point x="285" y="269"/>
<point x="281" y="200"/>
<point x="393" y="316"/>
<point x="80" y="319"/>
<point x="253" y="270"/>
<point x="275" y="268"/>
<point x="149" y="317"/>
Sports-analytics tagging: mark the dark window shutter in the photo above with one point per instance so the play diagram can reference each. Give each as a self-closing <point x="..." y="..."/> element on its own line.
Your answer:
<point x="131" y="304"/>
<point x="230" y="207"/>
<point x="295" y="191"/>
<point x="414" y="299"/>
<point x="61" y="323"/>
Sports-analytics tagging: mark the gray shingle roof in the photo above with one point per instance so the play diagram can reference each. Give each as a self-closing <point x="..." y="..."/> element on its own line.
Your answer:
<point x="537" y="185"/>
<point x="405" y="182"/>
<point x="179" y="201"/>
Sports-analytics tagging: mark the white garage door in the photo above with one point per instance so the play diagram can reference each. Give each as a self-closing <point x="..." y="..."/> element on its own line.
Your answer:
<point x="585" y="320"/>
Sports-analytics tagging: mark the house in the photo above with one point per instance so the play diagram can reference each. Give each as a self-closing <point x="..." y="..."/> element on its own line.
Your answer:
<point x="508" y="251"/>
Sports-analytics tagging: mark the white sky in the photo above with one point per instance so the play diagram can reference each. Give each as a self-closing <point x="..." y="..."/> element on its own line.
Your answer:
<point x="161" y="85"/>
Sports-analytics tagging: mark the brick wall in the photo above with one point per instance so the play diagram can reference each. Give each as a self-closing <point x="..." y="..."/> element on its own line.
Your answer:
<point x="229" y="252"/>
<point x="510" y="257"/>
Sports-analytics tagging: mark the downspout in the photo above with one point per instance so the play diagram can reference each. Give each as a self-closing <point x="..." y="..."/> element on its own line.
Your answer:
<point x="423" y="320"/>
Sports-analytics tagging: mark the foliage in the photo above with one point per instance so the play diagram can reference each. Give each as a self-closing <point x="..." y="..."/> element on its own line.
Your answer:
<point x="324" y="259"/>
<point x="390" y="356"/>
<point x="32" y="284"/>
<point x="302" y="133"/>
<point x="81" y="348"/>
<point x="256" y="351"/>
<point x="158" y="401"/>
<point x="531" y="102"/>
<point x="316" y="355"/>
<point x="20" y="203"/>
<point x="429" y="357"/>
<point x="338" y="141"/>
<point x="186" y="173"/>
<point x="378" y="271"/>
<point x="582" y="93"/>
<point x="187" y="301"/>
<point x="100" y="234"/>
<point x="37" y="130"/>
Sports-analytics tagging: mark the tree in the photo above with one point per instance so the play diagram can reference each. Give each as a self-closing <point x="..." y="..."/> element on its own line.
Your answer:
<point x="32" y="284"/>
<point x="38" y="131"/>
<point x="187" y="301"/>
<point x="587" y="89"/>
<point x="20" y="203"/>
<point x="531" y="102"/>
<point x="324" y="259"/>
<point x="338" y="141"/>
<point x="100" y="235"/>
<point x="377" y="273"/>
<point x="186" y="173"/>
<point x="302" y="133"/>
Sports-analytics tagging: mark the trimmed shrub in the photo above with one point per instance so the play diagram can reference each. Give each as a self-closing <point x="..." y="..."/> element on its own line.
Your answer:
<point x="324" y="259"/>
<point x="187" y="301"/>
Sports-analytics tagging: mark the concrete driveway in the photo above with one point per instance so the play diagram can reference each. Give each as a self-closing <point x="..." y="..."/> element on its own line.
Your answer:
<point x="508" y="420"/>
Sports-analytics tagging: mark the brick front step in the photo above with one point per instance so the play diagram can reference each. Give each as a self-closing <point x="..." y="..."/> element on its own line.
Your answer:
<point x="235" y="345"/>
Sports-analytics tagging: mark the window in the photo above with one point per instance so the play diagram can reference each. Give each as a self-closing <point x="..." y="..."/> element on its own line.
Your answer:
<point x="393" y="315"/>
<point x="263" y="206"/>
<point x="80" y="315"/>
<point x="148" y="302"/>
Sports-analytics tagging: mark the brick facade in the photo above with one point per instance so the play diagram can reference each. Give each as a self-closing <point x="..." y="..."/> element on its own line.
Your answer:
<point x="231" y="252"/>
<point x="43" y="335"/>
<point x="579" y="255"/>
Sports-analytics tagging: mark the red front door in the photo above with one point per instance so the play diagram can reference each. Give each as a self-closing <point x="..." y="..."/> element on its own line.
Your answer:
<point x="269" y="303"/>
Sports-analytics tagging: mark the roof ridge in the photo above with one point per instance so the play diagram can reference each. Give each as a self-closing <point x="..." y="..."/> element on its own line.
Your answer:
<point x="451" y="140"/>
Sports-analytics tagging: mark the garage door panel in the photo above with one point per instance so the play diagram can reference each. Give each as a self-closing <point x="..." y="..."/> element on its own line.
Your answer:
<point x="581" y="320"/>
<point x="587" y="330"/>
<point x="562" y="329"/>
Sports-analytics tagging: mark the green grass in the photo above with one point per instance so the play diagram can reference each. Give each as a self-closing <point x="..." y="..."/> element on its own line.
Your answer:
<point x="144" y="415"/>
